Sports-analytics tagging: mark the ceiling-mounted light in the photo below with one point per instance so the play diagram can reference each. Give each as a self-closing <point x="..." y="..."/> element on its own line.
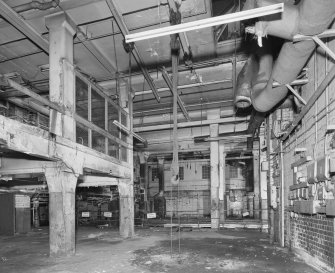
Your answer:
<point x="208" y="22"/>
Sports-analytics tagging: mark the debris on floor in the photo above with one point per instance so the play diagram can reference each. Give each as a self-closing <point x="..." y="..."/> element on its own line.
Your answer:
<point x="150" y="250"/>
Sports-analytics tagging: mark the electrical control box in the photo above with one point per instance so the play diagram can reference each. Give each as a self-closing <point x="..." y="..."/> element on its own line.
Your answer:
<point x="330" y="207"/>
<point x="303" y="194"/>
<point x="322" y="170"/>
<point x="305" y="206"/>
<point x="321" y="192"/>
<point x="311" y="177"/>
<point x="311" y="191"/>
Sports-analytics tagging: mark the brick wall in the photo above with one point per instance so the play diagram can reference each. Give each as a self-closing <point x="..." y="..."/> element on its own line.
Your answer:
<point x="315" y="235"/>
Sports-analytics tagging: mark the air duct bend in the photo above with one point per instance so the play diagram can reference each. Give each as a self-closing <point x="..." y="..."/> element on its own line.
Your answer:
<point x="242" y="94"/>
<point x="254" y="75"/>
<point x="313" y="18"/>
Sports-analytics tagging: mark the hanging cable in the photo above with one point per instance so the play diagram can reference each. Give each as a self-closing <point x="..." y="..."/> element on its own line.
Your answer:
<point x="116" y="63"/>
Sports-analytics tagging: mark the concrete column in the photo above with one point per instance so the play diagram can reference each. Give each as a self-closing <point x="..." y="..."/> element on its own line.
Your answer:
<point x="61" y="72"/>
<point x="144" y="173"/>
<point x="126" y="192"/>
<point x="255" y="161"/>
<point x="215" y="179"/>
<point x="62" y="187"/>
<point x="126" y="189"/>
<point x="263" y="185"/>
<point x="222" y="185"/>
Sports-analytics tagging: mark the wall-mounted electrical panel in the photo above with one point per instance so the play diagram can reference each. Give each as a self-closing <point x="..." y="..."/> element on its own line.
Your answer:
<point x="305" y="206"/>
<point x="322" y="170"/>
<point x="311" y="170"/>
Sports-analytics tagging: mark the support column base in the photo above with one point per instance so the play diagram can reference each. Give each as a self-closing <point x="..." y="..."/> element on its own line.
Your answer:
<point x="126" y="210"/>
<point x="62" y="187"/>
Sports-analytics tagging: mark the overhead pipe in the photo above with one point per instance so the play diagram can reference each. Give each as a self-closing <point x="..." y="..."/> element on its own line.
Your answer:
<point x="37" y="5"/>
<point x="309" y="17"/>
<point x="257" y="118"/>
<point x="242" y="92"/>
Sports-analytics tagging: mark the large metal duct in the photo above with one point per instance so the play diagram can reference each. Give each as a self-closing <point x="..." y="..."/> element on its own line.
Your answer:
<point x="254" y="75"/>
<point x="309" y="17"/>
<point x="242" y="92"/>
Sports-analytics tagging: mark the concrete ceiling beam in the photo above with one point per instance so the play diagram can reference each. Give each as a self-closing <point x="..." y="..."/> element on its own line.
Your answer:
<point x="98" y="181"/>
<point x="34" y="141"/>
<point x="13" y="166"/>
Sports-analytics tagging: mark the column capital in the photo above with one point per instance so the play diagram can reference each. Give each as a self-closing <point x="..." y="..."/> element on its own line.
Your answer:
<point x="60" y="19"/>
<point x="60" y="181"/>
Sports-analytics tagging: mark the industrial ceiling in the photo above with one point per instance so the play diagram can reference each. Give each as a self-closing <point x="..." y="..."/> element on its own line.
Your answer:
<point x="205" y="79"/>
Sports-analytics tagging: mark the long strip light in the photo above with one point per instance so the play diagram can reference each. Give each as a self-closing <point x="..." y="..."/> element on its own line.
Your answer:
<point x="208" y="22"/>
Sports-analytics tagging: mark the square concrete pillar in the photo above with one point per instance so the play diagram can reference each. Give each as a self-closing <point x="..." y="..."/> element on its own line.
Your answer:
<point x="62" y="187"/>
<point x="61" y="72"/>
<point x="215" y="178"/>
<point x="126" y="189"/>
<point x="256" y="168"/>
<point x="222" y="184"/>
<point x="126" y="195"/>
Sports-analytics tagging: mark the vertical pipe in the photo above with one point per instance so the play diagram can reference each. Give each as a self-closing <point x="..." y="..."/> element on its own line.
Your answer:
<point x="316" y="105"/>
<point x="327" y="101"/>
<point x="89" y="106"/>
<point x="282" y="212"/>
<point x="270" y="209"/>
<point x="106" y="126"/>
<point x="175" y="105"/>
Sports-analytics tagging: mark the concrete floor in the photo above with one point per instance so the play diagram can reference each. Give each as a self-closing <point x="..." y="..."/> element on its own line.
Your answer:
<point x="102" y="251"/>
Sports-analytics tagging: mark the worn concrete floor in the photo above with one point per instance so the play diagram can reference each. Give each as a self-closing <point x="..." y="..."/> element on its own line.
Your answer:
<point x="101" y="251"/>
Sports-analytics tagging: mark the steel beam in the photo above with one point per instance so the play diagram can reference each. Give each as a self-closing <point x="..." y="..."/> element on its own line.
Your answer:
<point x="182" y="36"/>
<point x="124" y="30"/>
<point x="296" y="94"/>
<point x="233" y="120"/>
<point x="318" y="92"/>
<point x="20" y="24"/>
<point x="95" y="51"/>
<point x="168" y="81"/>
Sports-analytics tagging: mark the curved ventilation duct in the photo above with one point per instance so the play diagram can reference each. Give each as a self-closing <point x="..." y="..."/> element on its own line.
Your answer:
<point x="309" y="17"/>
<point x="254" y="75"/>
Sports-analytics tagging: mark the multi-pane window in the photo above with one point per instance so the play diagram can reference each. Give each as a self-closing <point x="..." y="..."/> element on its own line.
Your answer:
<point x="154" y="173"/>
<point x="206" y="172"/>
<point x="233" y="171"/>
<point x="181" y="173"/>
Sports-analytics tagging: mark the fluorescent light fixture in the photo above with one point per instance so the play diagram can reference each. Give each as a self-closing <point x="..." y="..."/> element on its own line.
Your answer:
<point x="126" y="130"/>
<point x="208" y="22"/>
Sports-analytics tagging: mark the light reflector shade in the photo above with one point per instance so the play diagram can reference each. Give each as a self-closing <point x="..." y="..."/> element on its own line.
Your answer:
<point x="208" y="22"/>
